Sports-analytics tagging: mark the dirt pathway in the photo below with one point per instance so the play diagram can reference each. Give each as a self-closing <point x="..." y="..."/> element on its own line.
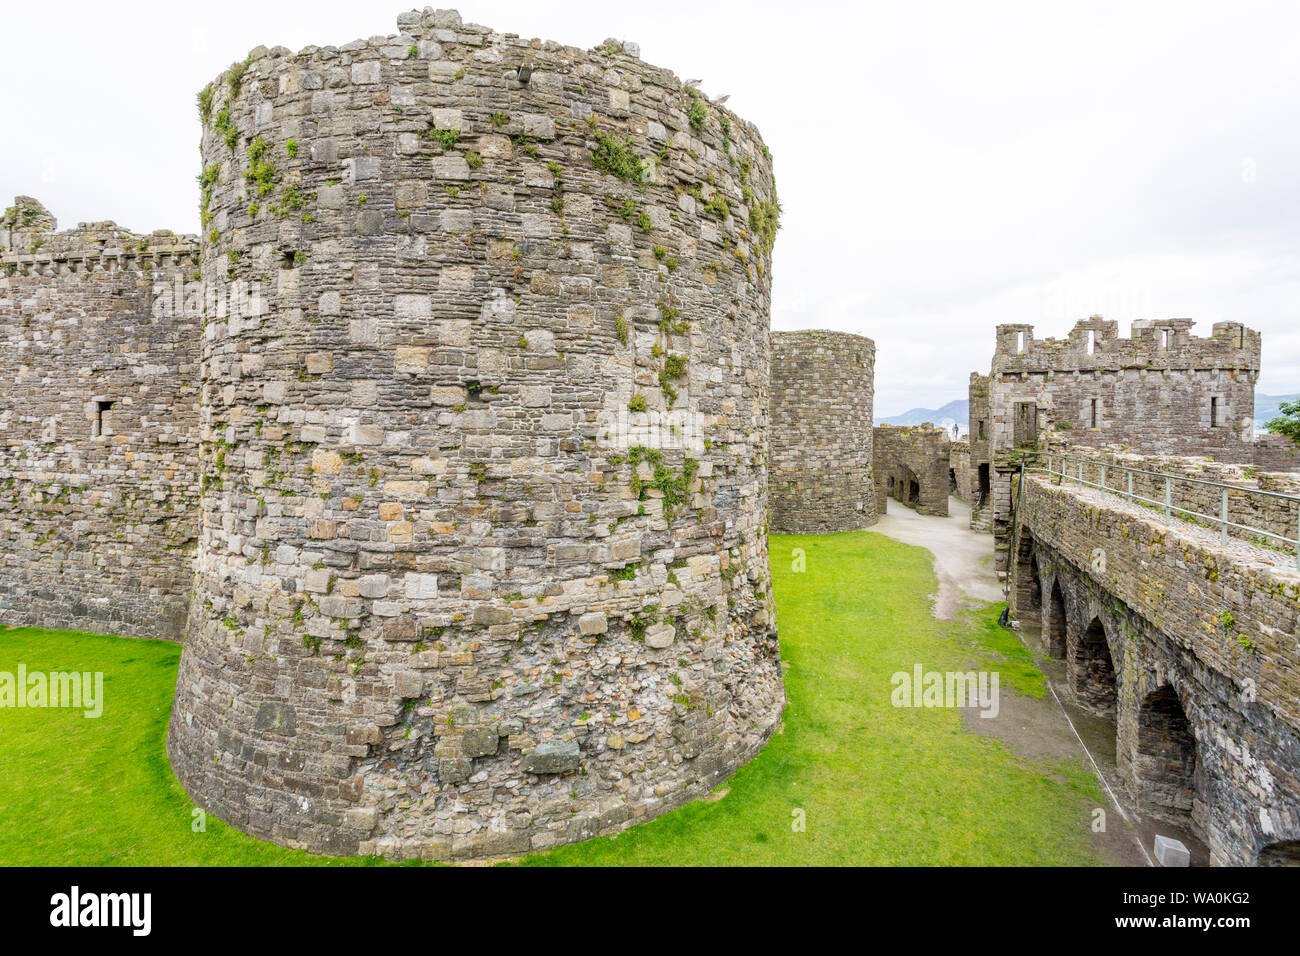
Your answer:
<point x="1040" y="730"/>
<point x="963" y="559"/>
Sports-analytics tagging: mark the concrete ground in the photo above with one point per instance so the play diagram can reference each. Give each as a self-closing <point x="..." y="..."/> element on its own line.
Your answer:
<point x="1051" y="728"/>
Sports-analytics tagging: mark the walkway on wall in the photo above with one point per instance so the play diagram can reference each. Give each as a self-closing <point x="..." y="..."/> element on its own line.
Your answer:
<point x="1043" y="729"/>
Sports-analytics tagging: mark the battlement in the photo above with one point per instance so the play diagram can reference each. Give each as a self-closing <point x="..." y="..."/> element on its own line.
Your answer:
<point x="31" y="245"/>
<point x="1094" y="344"/>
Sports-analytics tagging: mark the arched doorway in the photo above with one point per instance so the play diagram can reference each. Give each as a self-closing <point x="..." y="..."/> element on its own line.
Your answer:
<point x="1054" y="623"/>
<point x="1092" y="674"/>
<point x="1164" y="767"/>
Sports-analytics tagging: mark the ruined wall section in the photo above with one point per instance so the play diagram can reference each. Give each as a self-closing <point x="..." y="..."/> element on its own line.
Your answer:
<point x="981" y="460"/>
<point x="1276" y="453"/>
<point x="823" y="387"/>
<point x="447" y="606"/>
<point x="911" y="465"/>
<point x="98" y="426"/>
<point x="960" y="471"/>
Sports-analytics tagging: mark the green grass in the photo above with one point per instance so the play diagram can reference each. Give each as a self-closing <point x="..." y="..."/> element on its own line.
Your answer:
<point x="877" y="784"/>
<point x="100" y="792"/>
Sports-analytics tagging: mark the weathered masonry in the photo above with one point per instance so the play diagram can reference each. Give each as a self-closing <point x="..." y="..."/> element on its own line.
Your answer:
<point x="1189" y="644"/>
<point x="446" y="605"/>
<point x="821" y="477"/>
<point x="913" y="466"/>
<point x="98" y="425"/>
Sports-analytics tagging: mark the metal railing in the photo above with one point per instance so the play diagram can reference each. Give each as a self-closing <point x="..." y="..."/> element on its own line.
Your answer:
<point x="1070" y="469"/>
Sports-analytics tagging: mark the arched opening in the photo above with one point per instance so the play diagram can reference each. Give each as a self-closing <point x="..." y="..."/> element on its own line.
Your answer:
<point x="1282" y="853"/>
<point x="913" y="492"/>
<point x="982" y="497"/>
<point x="1028" y="592"/>
<point x="1054" y="623"/>
<point x="952" y="482"/>
<point x="1164" y="767"/>
<point x="1093" y="675"/>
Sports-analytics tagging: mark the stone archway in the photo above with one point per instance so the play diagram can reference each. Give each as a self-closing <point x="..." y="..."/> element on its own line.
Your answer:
<point x="1092" y="672"/>
<point x="1282" y="853"/>
<point x="1054" y="627"/>
<point x="1164" y="762"/>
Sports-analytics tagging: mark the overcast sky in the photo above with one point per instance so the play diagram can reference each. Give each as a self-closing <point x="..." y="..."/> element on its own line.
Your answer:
<point x="943" y="167"/>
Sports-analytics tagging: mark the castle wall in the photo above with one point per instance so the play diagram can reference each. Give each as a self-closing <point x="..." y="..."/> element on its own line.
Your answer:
<point x="1278" y="516"/>
<point x="960" y="471"/>
<point x="821" y="459"/>
<point x="98" y="426"/>
<point x="1276" y="453"/>
<point x="459" y="593"/>
<point x="1162" y="391"/>
<point x="981" y="460"/>
<point x="1184" y="396"/>
<point x="911" y="466"/>
<point x="1183" y="620"/>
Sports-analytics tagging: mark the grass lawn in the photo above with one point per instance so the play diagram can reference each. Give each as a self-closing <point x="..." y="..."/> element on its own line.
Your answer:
<point x="876" y="784"/>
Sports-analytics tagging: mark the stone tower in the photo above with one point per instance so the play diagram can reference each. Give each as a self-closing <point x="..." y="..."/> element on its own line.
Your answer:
<point x="821" y="444"/>
<point x="482" y="564"/>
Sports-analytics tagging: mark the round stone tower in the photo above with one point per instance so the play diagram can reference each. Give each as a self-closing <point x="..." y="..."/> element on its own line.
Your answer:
<point x="821" y="477"/>
<point x="482" y="563"/>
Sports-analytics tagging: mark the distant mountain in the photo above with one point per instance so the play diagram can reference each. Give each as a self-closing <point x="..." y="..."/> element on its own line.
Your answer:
<point x="956" y="412"/>
<point x="1266" y="406"/>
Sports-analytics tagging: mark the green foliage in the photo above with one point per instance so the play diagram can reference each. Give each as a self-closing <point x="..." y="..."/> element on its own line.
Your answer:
<point x="226" y="128"/>
<point x="697" y="114"/>
<point x="235" y="75"/>
<point x="291" y="147"/>
<point x="499" y="119"/>
<point x="765" y="220"/>
<point x="412" y="51"/>
<point x="637" y="403"/>
<point x="616" y="157"/>
<point x="473" y="159"/>
<point x="1287" y="423"/>
<point x="620" y="329"/>
<point x="261" y="171"/>
<point x="205" y="102"/>
<point x="446" y="138"/>
<point x="643" y="221"/>
<point x="718" y="206"/>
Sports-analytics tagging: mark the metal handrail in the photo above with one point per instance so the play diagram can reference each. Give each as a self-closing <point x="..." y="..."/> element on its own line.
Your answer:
<point x="1167" y="505"/>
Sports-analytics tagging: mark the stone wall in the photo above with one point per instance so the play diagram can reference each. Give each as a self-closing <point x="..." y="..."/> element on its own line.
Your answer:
<point x="1162" y="391"/>
<point x="981" y="461"/>
<point x="1274" y="513"/>
<point x="1189" y="645"/>
<point x="1276" y="453"/>
<point x="98" y="425"/>
<point x="959" y="469"/>
<point x="911" y="464"/>
<point x="821" y="460"/>
<point x="447" y="606"/>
